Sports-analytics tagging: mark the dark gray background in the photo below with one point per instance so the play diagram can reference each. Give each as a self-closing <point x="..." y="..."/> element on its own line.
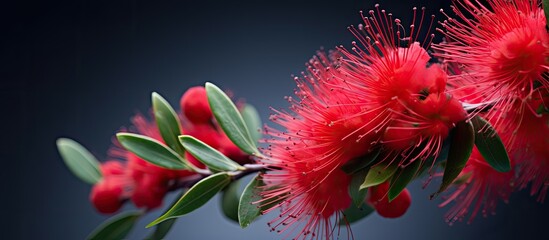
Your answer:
<point x="80" y="69"/>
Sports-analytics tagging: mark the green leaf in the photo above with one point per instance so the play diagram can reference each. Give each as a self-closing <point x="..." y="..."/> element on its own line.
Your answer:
<point x="378" y="174"/>
<point x="253" y="121"/>
<point x="542" y="109"/>
<point x="79" y="160"/>
<point x="357" y="164"/>
<point x="357" y="194"/>
<point x="212" y="158"/>
<point x="195" y="197"/>
<point x="167" y="122"/>
<point x="162" y="230"/>
<point x="247" y="211"/>
<point x="490" y="146"/>
<point x="230" y="200"/>
<point x="463" y="139"/>
<point x="151" y="151"/>
<point x="230" y="120"/>
<point x="354" y="213"/>
<point x="402" y="178"/>
<point x="443" y="154"/>
<point x="116" y="227"/>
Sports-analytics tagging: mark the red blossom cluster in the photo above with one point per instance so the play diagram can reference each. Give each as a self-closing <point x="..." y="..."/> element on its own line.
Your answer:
<point x="146" y="184"/>
<point x="385" y="94"/>
<point x="388" y="100"/>
<point x="500" y="58"/>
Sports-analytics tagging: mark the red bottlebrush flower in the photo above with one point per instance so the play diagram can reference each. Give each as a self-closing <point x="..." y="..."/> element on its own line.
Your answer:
<point x="393" y="73"/>
<point x="327" y="130"/>
<point x="345" y="104"/>
<point x="483" y="187"/>
<point x="502" y="51"/>
<point x="530" y="148"/>
<point x="195" y="106"/>
<point x="380" y="202"/>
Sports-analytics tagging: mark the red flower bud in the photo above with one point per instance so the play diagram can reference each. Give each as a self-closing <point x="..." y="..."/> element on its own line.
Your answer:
<point x="106" y="195"/>
<point x="379" y="200"/>
<point x="195" y="106"/>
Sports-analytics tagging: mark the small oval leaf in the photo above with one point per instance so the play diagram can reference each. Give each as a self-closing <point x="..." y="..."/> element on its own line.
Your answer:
<point x="247" y="210"/>
<point x="402" y="178"/>
<point x="253" y="121"/>
<point x="161" y="229"/>
<point x="79" y="160"/>
<point x="378" y="174"/>
<point x="195" y="197"/>
<point x="167" y="122"/>
<point x="212" y="158"/>
<point x="230" y="201"/>
<point x="151" y="150"/>
<point x="357" y="164"/>
<point x="230" y="120"/>
<point x="116" y="227"/>
<point x="354" y="213"/>
<point x="490" y="146"/>
<point x="357" y="194"/>
<point x="462" y="143"/>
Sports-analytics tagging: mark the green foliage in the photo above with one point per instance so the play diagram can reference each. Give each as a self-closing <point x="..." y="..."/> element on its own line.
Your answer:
<point x="354" y="213"/>
<point x="490" y="146"/>
<point x="402" y="178"/>
<point x="167" y="122"/>
<point x="79" y="160"/>
<point x="253" y="121"/>
<point x="230" y="201"/>
<point x="116" y="227"/>
<point x="357" y="194"/>
<point x="162" y="229"/>
<point x="357" y="164"/>
<point x="462" y="142"/>
<point x="230" y="120"/>
<point x="247" y="211"/>
<point x="195" y="197"/>
<point x="151" y="151"/>
<point x="212" y="158"/>
<point x="378" y="174"/>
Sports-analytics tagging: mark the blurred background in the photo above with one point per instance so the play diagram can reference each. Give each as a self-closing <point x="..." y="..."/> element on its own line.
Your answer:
<point x="81" y="69"/>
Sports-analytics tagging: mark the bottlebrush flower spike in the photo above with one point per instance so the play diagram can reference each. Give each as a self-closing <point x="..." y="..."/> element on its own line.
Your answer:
<point x="530" y="147"/>
<point x="347" y="103"/>
<point x="482" y="189"/>
<point x="325" y="130"/>
<point x="503" y="51"/>
<point x="393" y="74"/>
